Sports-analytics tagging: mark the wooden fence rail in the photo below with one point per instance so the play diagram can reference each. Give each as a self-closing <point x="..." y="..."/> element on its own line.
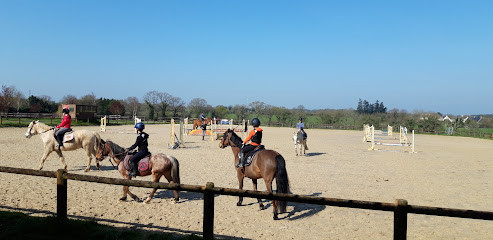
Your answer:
<point x="400" y="208"/>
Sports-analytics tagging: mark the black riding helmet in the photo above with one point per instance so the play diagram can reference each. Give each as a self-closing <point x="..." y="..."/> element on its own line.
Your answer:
<point x="65" y="110"/>
<point x="255" y="122"/>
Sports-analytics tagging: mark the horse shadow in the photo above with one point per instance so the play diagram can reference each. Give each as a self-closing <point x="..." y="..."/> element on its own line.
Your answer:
<point x="305" y="209"/>
<point x="184" y="196"/>
<point x="314" y="154"/>
<point x="93" y="168"/>
<point x="151" y="228"/>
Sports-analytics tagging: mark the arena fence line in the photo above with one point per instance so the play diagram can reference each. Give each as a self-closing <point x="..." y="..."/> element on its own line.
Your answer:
<point x="400" y="208"/>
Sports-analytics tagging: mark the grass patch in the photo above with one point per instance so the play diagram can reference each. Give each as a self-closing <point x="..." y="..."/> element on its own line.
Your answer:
<point x="16" y="225"/>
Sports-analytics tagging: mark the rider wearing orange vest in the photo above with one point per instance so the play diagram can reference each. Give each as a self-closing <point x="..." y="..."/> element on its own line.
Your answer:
<point x="255" y="138"/>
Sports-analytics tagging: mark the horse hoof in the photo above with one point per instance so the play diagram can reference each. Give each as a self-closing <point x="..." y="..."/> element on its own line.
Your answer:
<point x="146" y="201"/>
<point x="123" y="199"/>
<point x="87" y="170"/>
<point x="276" y="218"/>
<point x="176" y="200"/>
<point x="238" y="204"/>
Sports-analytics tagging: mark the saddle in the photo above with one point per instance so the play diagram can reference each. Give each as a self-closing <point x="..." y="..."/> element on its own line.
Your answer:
<point x="250" y="155"/>
<point x="67" y="136"/>
<point x="143" y="164"/>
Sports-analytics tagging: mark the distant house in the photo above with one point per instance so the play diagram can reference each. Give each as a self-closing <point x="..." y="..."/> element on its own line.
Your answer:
<point x="443" y="118"/>
<point x="81" y="112"/>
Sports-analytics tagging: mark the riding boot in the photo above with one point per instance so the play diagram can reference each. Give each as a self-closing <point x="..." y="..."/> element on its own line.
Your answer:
<point x="59" y="139"/>
<point x="240" y="160"/>
<point x="134" y="171"/>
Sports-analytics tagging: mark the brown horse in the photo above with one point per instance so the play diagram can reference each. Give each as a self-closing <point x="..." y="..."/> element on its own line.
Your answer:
<point x="267" y="164"/>
<point x="197" y="122"/>
<point x="159" y="165"/>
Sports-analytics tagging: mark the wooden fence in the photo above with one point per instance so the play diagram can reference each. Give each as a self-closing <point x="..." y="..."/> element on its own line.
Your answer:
<point x="400" y="207"/>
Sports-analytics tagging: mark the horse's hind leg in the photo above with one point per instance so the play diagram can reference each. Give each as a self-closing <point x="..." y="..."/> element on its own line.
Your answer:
<point x="89" y="158"/>
<point x="268" y="185"/>
<point x="170" y="180"/>
<point x="261" y="205"/>
<point x="155" y="178"/>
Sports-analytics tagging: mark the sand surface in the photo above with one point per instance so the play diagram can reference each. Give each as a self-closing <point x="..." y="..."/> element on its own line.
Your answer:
<point x="451" y="172"/>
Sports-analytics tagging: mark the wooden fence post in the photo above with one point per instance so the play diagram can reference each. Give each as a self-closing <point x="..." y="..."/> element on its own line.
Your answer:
<point x="400" y="220"/>
<point x="61" y="189"/>
<point x="208" y="224"/>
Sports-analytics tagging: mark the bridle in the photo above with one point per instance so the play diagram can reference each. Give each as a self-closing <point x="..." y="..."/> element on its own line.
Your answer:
<point x="31" y="128"/>
<point x="112" y="156"/>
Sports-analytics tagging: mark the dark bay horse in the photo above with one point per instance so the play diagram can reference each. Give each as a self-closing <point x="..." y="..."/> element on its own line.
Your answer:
<point x="159" y="165"/>
<point x="267" y="164"/>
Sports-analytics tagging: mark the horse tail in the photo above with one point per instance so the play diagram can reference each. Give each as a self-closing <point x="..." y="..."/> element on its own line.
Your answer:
<point x="282" y="181"/>
<point x="97" y="143"/>
<point x="175" y="169"/>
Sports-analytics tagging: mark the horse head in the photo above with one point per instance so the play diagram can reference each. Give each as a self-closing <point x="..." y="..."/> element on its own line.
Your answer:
<point x="103" y="151"/>
<point x="34" y="128"/>
<point x="230" y="139"/>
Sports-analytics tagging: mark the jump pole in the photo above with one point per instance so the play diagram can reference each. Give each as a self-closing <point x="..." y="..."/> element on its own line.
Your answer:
<point x="102" y="128"/>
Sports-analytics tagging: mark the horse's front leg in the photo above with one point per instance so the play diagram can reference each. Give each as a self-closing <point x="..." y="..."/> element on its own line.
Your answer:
<point x="261" y="205"/>
<point x="240" y="185"/>
<point x="46" y="153"/>
<point x="60" y="155"/>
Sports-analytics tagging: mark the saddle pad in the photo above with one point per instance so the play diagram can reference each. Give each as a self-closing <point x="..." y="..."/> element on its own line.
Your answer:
<point x="143" y="164"/>
<point x="68" y="136"/>
<point x="252" y="154"/>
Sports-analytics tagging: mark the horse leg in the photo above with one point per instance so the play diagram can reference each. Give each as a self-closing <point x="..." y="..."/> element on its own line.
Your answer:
<point x="60" y="155"/>
<point x="126" y="191"/>
<point x="168" y="177"/>
<point x="155" y="178"/>
<point x="240" y="186"/>
<point x="89" y="159"/>
<point x="268" y="185"/>
<point x="261" y="205"/>
<point x="43" y="158"/>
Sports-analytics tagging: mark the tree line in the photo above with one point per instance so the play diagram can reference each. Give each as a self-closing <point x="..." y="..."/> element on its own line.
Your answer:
<point x="159" y="105"/>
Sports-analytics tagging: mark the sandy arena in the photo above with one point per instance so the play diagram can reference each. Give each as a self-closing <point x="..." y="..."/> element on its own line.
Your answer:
<point x="451" y="172"/>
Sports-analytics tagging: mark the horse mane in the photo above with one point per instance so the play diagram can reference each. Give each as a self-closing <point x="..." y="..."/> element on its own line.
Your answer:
<point x="235" y="139"/>
<point x="42" y="125"/>
<point x="115" y="148"/>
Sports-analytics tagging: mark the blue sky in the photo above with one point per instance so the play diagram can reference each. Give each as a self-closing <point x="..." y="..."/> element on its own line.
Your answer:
<point x="413" y="55"/>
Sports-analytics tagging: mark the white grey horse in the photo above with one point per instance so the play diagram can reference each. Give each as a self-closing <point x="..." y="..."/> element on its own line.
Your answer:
<point x="89" y="141"/>
<point x="299" y="143"/>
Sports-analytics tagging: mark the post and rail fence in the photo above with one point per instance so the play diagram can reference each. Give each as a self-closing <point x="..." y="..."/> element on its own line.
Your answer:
<point x="400" y="208"/>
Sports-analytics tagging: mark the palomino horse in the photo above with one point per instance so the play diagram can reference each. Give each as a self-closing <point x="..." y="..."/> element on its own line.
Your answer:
<point x="299" y="143"/>
<point x="267" y="164"/>
<point x="159" y="165"/>
<point x="197" y="122"/>
<point x="87" y="140"/>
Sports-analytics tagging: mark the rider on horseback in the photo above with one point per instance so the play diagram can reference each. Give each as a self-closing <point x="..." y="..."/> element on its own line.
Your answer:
<point x="301" y="126"/>
<point x="140" y="142"/>
<point x="255" y="138"/>
<point x="64" y="127"/>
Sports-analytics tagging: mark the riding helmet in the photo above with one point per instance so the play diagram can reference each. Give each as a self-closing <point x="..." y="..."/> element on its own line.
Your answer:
<point x="65" y="110"/>
<point x="255" y="122"/>
<point x="301" y="119"/>
<point x="140" y="126"/>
